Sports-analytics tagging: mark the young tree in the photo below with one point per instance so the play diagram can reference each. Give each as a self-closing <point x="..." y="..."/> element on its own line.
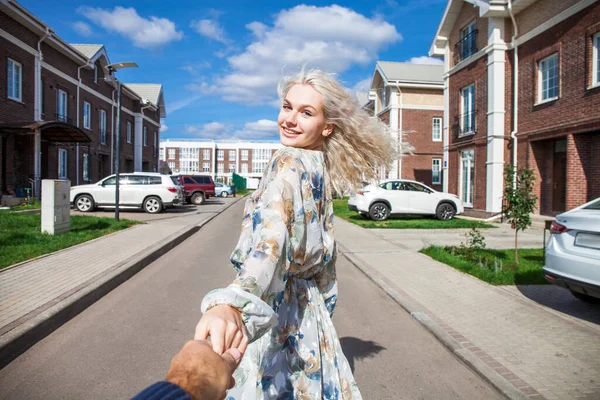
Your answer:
<point x="519" y="200"/>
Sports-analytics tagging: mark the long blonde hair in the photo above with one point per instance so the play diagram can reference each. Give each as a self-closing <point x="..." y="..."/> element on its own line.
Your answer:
<point x="360" y="145"/>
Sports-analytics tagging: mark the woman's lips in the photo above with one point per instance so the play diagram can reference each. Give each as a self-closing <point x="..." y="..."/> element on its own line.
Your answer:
<point x="289" y="133"/>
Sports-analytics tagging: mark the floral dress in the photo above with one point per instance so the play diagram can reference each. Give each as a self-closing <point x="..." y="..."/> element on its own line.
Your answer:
<point x="286" y="286"/>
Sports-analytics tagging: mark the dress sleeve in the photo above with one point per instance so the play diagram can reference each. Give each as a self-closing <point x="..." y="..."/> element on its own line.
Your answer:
<point x="262" y="275"/>
<point x="327" y="282"/>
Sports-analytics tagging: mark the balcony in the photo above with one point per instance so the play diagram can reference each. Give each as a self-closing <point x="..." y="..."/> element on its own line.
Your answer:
<point x="466" y="47"/>
<point x="466" y="126"/>
<point x="62" y="118"/>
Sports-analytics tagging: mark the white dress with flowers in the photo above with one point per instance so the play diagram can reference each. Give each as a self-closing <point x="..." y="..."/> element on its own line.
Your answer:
<point x="286" y="286"/>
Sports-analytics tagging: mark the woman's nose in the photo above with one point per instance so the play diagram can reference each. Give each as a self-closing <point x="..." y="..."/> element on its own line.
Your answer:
<point x="291" y="117"/>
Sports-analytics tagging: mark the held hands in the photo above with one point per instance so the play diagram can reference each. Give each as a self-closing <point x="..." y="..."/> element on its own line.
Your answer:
<point x="201" y="373"/>
<point x="225" y="327"/>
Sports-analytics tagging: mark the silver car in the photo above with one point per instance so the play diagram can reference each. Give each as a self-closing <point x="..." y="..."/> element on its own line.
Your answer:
<point x="573" y="252"/>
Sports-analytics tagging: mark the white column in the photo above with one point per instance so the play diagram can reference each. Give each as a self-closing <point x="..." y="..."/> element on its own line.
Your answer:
<point x="396" y="130"/>
<point x="137" y="150"/>
<point x="446" y="131"/>
<point x="37" y="163"/>
<point x="495" y="115"/>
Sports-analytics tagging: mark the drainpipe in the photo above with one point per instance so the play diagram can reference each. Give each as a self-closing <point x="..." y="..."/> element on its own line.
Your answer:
<point x="513" y="134"/>
<point x="78" y="121"/>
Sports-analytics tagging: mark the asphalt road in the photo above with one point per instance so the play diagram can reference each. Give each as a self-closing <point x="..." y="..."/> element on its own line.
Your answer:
<point x="126" y="340"/>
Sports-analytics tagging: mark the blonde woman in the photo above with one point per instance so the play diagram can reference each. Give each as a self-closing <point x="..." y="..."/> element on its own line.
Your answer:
<point x="278" y="309"/>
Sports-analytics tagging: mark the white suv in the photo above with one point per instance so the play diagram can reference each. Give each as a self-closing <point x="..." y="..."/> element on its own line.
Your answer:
<point x="151" y="191"/>
<point x="402" y="196"/>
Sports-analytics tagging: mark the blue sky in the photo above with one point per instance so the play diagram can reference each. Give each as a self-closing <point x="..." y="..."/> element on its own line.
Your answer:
<point x="220" y="61"/>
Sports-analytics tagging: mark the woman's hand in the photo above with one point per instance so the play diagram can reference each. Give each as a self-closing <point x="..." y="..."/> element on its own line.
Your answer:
<point x="225" y="326"/>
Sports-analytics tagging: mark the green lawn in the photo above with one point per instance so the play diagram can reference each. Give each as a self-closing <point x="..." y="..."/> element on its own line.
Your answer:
<point x="340" y="209"/>
<point x="34" y="205"/>
<point x="21" y="237"/>
<point x="529" y="271"/>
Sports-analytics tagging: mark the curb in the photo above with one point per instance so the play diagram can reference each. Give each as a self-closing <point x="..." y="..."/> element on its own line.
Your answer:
<point x="59" y="311"/>
<point x="502" y="385"/>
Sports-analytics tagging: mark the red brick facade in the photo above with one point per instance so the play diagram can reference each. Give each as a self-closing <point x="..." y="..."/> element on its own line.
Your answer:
<point x="558" y="139"/>
<point x="60" y="71"/>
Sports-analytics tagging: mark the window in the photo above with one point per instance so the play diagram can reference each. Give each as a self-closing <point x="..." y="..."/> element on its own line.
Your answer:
<point x="232" y="167"/>
<point x="61" y="111"/>
<point x="436" y="176"/>
<point x="220" y="155"/>
<point x="206" y="167"/>
<point x="95" y="73"/>
<point x="62" y="164"/>
<point x="467" y="109"/>
<point x="155" y="141"/>
<point x="231" y="155"/>
<point x="171" y="154"/>
<point x="102" y="126"/>
<point x="548" y="78"/>
<point x="128" y="132"/>
<point x="596" y="59"/>
<point x="467" y="176"/>
<point x="436" y="130"/>
<point x="244" y="155"/>
<point x="86" y="167"/>
<point x="87" y="110"/>
<point x="145" y="136"/>
<point x="220" y="167"/>
<point x="15" y="79"/>
<point x="206" y="154"/>
<point x="466" y="47"/>
<point x="244" y="168"/>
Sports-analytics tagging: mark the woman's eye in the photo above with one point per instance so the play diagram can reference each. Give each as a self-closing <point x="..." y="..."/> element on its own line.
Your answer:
<point x="286" y="107"/>
<point x="308" y="113"/>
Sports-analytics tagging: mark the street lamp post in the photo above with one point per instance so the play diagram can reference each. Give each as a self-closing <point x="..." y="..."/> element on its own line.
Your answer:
<point x="112" y="68"/>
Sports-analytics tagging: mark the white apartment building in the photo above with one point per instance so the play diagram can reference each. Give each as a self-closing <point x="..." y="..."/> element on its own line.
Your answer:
<point x="217" y="158"/>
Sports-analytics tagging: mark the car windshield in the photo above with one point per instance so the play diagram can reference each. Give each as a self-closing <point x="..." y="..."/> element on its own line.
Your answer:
<point x="175" y="180"/>
<point x="593" y="206"/>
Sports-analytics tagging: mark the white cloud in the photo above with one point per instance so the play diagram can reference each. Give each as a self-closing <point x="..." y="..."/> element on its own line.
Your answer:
<point x="194" y="68"/>
<point x="83" y="29"/>
<point x="426" y="60"/>
<point x="212" y="130"/>
<point x="261" y="129"/>
<point x="150" y="32"/>
<point x="331" y="38"/>
<point x="181" y="103"/>
<point x="163" y="128"/>
<point x="211" y="29"/>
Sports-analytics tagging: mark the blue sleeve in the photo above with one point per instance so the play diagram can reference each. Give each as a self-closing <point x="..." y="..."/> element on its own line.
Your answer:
<point x="162" y="391"/>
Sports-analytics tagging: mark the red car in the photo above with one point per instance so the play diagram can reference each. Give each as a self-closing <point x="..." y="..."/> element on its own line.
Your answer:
<point x="197" y="187"/>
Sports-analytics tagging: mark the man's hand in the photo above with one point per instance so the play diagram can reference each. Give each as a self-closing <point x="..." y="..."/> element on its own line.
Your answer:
<point x="202" y="373"/>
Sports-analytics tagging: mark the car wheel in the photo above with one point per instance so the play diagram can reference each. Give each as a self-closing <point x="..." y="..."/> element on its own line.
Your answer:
<point x="198" y="198"/>
<point x="586" y="298"/>
<point x="379" y="212"/>
<point x="84" y="203"/>
<point x="224" y="194"/>
<point x="445" y="212"/>
<point x="153" y="205"/>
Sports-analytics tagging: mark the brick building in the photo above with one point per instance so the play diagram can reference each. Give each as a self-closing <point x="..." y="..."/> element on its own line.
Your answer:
<point x="219" y="159"/>
<point x="58" y="109"/>
<point x="410" y="99"/>
<point x="538" y="107"/>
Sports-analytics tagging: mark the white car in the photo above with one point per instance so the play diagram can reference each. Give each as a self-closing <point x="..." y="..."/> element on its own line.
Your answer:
<point x="573" y="252"/>
<point x="150" y="191"/>
<point x="402" y="196"/>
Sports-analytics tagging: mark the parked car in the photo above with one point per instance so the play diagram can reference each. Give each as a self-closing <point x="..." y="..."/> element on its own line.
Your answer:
<point x="198" y="188"/>
<point x="149" y="191"/>
<point x="573" y="252"/>
<point x="402" y="196"/>
<point x="224" y="190"/>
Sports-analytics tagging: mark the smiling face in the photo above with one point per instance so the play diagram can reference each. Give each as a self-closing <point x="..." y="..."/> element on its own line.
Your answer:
<point x="302" y="120"/>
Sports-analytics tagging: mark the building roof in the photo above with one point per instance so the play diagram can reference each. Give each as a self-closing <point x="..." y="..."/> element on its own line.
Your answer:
<point x="88" y="50"/>
<point x="411" y="73"/>
<point x="151" y="92"/>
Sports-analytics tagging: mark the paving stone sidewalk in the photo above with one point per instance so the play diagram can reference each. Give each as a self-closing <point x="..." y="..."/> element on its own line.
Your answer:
<point x="524" y="344"/>
<point x="38" y="296"/>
